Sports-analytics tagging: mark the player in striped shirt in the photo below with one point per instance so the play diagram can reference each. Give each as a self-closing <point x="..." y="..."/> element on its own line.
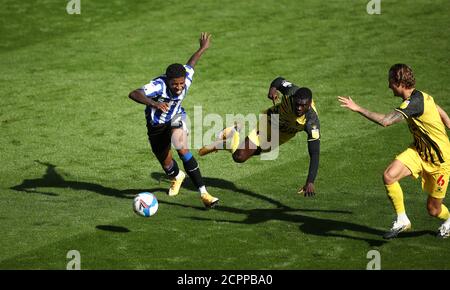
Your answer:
<point x="166" y="122"/>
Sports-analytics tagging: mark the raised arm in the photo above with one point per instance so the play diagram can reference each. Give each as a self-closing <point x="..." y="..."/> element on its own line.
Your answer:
<point x="204" y="45"/>
<point x="380" y="119"/>
<point x="444" y="117"/>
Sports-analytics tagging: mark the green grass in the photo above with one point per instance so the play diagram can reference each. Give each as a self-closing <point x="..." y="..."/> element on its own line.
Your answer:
<point x="74" y="148"/>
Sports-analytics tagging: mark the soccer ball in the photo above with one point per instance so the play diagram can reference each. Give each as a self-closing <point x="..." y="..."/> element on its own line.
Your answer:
<point x="145" y="204"/>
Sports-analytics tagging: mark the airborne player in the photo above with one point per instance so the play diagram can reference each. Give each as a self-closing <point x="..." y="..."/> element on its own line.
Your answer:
<point x="296" y="113"/>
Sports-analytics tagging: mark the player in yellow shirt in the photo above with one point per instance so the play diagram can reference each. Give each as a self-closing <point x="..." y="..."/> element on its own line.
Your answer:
<point x="295" y="113"/>
<point x="428" y="156"/>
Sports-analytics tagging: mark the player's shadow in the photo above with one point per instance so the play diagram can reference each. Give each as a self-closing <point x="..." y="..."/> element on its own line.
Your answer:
<point x="309" y="225"/>
<point x="112" y="228"/>
<point x="221" y="184"/>
<point x="52" y="179"/>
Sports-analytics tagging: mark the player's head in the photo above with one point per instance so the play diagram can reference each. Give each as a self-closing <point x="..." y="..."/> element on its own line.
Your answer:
<point x="401" y="78"/>
<point x="302" y="101"/>
<point x="176" y="78"/>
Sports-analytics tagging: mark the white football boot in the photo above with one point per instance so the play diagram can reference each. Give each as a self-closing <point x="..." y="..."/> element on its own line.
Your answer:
<point x="397" y="228"/>
<point x="444" y="231"/>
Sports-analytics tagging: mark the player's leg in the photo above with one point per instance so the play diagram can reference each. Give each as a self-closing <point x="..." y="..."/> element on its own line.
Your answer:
<point x="444" y="229"/>
<point x="251" y="145"/>
<point x="179" y="139"/>
<point x="391" y="176"/>
<point x="160" y="143"/>
<point x="246" y="150"/>
<point x="436" y="187"/>
<point x="171" y="169"/>
<point x="228" y="138"/>
<point x="436" y="208"/>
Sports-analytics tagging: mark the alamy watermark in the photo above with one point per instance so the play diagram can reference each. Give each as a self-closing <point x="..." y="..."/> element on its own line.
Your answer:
<point x="373" y="7"/>
<point x="75" y="260"/>
<point x="73" y="7"/>
<point x="204" y="130"/>
<point x="375" y="260"/>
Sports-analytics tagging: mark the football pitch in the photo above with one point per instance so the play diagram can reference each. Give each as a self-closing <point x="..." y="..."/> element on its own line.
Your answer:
<point x="74" y="149"/>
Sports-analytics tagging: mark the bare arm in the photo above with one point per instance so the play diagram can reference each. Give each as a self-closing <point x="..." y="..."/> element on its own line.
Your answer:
<point x="444" y="117"/>
<point x="204" y="45"/>
<point x="380" y="119"/>
<point x="139" y="97"/>
<point x="383" y="120"/>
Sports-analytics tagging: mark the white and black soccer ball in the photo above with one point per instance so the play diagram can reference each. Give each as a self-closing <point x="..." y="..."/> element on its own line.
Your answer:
<point x="145" y="204"/>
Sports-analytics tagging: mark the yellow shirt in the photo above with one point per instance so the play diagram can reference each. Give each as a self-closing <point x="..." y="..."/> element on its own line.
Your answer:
<point x="290" y="124"/>
<point x="428" y="130"/>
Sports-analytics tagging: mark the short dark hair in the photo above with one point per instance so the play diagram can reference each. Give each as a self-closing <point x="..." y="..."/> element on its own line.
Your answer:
<point x="402" y="74"/>
<point x="175" y="70"/>
<point x="303" y="93"/>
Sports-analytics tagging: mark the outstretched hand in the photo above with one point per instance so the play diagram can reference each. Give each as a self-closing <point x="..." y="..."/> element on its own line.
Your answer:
<point x="204" y="45"/>
<point x="347" y="102"/>
<point x="307" y="190"/>
<point x="204" y="40"/>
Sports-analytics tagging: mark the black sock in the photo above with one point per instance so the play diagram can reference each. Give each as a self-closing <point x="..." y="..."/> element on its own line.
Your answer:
<point x="192" y="169"/>
<point x="173" y="170"/>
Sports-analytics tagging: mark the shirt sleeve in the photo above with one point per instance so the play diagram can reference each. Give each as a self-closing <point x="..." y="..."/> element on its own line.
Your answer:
<point x="312" y="127"/>
<point x="153" y="88"/>
<point x="189" y="75"/>
<point x="314" y="153"/>
<point x="413" y="107"/>
<point x="284" y="86"/>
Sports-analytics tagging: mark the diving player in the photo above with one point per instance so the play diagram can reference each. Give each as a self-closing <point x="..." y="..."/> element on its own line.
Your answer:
<point x="296" y="113"/>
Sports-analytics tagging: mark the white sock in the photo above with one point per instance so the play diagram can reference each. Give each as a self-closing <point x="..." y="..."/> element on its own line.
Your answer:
<point x="202" y="190"/>
<point x="447" y="223"/>
<point x="403" y="218"/>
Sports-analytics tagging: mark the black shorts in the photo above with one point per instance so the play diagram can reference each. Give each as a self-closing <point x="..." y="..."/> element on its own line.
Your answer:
<point x="160" y="137"/>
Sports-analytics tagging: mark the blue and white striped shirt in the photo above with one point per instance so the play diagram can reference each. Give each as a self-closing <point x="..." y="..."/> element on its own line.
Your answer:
<point x="158" y="90"/>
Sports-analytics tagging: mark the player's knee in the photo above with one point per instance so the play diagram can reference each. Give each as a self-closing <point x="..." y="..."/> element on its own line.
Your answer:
<point x="183" y="152"/>
<point x="239" y="157"/>
<point x="388" y="178"/>
<point x="433" y="210"/>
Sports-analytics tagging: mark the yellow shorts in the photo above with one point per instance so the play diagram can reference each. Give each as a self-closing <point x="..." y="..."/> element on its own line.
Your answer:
<point x="434" y="177"/>
<point x="262" y="137"/>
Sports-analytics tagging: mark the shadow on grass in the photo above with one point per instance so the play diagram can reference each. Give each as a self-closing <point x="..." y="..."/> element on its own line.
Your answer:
<point x="111" y="228"/>
<point x="52" y="179"/>
<point x="309" y="225"/>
